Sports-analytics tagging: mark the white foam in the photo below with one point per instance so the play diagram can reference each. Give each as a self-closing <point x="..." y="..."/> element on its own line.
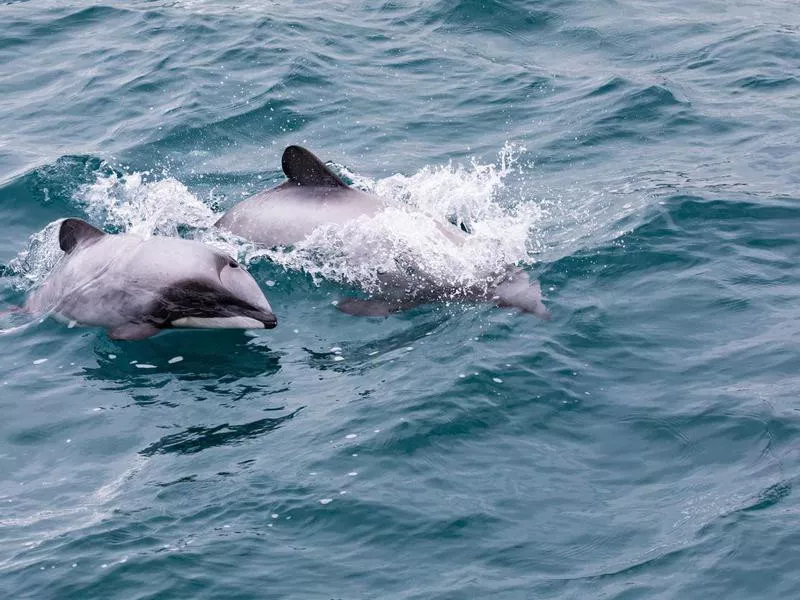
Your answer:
<point x="175" y="359"/>
<point x="145" y="366"/>
<point x="413" y="233"/>
<point x="512" y="219"/>
<point x="326" y="500"/>
<point x="40" y="361"/>
<point x="40" y="256"/>
<point x="351" y="436"/>
<point x="137" y="203"/>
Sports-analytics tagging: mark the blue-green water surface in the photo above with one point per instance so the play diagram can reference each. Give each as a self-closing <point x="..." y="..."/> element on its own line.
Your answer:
<point x="641" y="444"/>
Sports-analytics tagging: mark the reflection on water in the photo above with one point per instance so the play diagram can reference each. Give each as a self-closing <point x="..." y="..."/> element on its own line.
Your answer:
<point x="197" y="439"/>
<point x="224" y="356"/>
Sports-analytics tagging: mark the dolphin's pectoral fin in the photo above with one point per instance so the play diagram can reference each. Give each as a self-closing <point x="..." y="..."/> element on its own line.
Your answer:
<point x="360" y="307"/>
<point x="303" y="168"/>
<point x="132" y="331"/>
<point x="74" y="231"/>
<point x="518" y="291"/>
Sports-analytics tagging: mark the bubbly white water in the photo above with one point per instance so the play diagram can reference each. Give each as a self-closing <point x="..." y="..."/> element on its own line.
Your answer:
<point x="418" y="230"/>
<point x="134" y="204"/>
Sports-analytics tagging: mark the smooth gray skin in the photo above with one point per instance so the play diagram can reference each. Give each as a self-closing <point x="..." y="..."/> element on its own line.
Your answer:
<point x="313" y="196"/>
<point x="136" y="287"/>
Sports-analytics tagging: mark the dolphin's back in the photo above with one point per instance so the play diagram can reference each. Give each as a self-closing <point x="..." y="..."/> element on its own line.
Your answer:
<point x="312" y="196"/>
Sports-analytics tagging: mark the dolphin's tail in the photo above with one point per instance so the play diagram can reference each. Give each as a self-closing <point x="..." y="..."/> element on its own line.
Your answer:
<point x="518" y="291"/>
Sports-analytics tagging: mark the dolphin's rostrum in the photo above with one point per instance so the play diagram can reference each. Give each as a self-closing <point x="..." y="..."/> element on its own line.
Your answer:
<point x="135" y="287"/>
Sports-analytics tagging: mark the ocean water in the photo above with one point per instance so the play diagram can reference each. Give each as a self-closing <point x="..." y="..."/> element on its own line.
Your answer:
<point x="639" y="158"/>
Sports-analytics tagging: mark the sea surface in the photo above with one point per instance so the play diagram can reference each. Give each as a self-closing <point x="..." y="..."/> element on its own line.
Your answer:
<point x="640" y="158"/>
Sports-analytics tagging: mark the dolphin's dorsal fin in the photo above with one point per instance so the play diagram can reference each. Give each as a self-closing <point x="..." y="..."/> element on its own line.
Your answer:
<point x="303" y="168"/>
<point x="74" y="232"/>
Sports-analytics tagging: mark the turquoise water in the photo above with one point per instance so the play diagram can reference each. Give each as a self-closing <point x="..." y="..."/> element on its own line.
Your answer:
<point x="639" y="158"/>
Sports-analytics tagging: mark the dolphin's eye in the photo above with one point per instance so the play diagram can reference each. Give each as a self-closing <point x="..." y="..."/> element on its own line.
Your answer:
<point x="233" y="264"/>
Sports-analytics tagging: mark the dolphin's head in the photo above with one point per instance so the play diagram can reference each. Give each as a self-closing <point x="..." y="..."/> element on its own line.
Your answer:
<point x="224" y="297"/>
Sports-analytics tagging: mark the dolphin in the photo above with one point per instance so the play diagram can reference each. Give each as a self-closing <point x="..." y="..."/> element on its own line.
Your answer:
<point x="135" y="287"/>
<point x="313" y="195"/>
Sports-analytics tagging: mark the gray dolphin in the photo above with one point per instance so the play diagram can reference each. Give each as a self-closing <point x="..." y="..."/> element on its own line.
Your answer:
<point x="135" y="287"/>
<point x="313" y="195"/>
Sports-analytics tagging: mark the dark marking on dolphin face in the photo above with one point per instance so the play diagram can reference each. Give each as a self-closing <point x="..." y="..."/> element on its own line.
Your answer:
<point x="135" y="287"/>
<point x="201" y="300"/>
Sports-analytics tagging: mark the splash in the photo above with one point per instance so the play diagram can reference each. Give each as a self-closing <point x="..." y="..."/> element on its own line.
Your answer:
<point x="42" y="254"/>
<point x="452" y="225"/>
<point x="420" y="229"/>
<point x="133" y="203"/>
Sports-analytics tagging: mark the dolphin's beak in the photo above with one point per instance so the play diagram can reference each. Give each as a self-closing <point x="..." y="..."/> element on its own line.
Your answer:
<point x="269" y="320"/>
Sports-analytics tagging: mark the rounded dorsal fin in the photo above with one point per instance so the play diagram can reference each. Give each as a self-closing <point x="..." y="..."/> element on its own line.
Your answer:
<point x="74" y="232"/>
<point x="303" y="168"/>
